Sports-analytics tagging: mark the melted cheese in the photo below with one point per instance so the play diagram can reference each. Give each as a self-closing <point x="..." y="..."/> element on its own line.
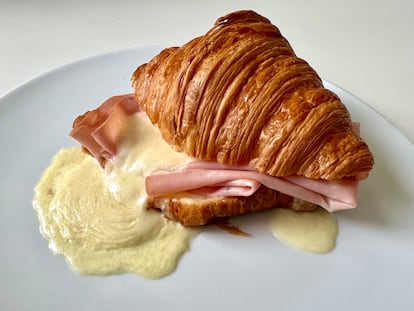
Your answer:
<point x="314" y="231"/>
<point x="97" y="218"/>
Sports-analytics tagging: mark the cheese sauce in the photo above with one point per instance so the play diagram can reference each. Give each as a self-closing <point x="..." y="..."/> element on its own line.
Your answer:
<point x="97" y="218"/>
<point x="314" y="231"/>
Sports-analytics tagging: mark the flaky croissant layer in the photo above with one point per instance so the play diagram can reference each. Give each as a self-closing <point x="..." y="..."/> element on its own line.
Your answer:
<point x="239" y="95"/>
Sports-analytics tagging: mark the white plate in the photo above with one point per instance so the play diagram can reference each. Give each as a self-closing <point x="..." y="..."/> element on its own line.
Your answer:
<point x="370" y="269"/>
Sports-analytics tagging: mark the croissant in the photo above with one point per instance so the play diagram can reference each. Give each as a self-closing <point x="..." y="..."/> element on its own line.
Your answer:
<point x="239" y="95"/>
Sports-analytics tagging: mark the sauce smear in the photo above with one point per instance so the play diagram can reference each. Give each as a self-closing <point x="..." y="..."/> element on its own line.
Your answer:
<point x="314" y="231"/>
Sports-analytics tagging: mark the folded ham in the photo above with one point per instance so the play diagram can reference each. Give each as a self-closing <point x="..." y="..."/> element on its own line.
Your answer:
<point x="99" y="130"/>
<point x="212" y="179"/>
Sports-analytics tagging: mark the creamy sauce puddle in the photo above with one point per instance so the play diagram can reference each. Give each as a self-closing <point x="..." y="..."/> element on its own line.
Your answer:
<point x="314" y="231"/>
<point x="97" y="218"/>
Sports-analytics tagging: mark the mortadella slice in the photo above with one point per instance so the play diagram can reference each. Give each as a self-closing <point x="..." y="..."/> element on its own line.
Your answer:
<point x="99" y="130"/>
<point x="211" y="179"/>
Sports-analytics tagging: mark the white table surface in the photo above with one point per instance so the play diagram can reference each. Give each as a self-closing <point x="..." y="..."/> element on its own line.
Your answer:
<point x="365" y="47"/>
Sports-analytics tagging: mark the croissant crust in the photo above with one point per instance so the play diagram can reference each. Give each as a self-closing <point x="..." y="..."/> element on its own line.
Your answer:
<point x="239" y="95"/>
<point x="193" y="211"/>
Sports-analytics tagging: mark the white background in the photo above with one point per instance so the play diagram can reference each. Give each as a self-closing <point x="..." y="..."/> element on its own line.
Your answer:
<point x="366" y="47"/>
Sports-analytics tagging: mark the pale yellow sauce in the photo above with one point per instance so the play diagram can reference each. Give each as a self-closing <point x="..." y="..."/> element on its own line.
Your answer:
<point x="314" y="231"/>
<point x="97" y="218"/>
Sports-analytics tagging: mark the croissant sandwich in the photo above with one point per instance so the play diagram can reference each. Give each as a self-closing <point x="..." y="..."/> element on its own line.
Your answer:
<point x="256" y="121"/>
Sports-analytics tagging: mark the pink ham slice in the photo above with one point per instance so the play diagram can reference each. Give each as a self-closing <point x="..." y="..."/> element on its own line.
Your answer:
<point x="211" y="179"/>
<point x="99" y="130"/>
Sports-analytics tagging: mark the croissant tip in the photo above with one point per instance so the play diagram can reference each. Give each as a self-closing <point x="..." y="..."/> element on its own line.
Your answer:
<point x="239" y="16"/>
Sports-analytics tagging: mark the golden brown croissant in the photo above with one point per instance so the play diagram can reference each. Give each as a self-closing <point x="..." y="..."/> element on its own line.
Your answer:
<point x="240" y="95"/>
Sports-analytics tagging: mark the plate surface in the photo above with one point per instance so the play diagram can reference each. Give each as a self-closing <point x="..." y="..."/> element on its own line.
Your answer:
<point x="371" y="267"/>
